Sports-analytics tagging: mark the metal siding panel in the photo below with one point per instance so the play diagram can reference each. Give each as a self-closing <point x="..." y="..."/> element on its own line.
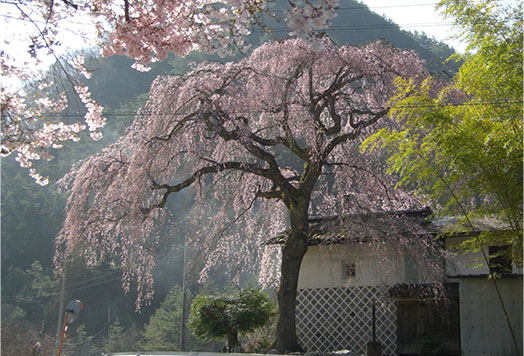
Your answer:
<point x="484" y="330"/>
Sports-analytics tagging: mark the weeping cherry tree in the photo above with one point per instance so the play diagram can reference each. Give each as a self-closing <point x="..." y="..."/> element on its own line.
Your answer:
<point x="275" y="136"/>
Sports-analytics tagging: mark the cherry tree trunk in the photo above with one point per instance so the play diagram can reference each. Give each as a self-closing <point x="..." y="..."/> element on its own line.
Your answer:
<point x="293" y="252"/>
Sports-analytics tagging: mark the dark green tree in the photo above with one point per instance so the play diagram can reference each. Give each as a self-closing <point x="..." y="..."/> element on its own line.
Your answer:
<point x="163" y="331"/>
<point x="30" y="293"/>
<point x="214" y="317"/>
<point x="124" y="338"/>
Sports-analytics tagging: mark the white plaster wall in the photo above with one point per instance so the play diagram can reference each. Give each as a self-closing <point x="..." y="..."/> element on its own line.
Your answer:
<point x="464" y="264"/>
<point x="483" y="329"/>
<point x="467" y="264"/>
<point x="375" y="265"/>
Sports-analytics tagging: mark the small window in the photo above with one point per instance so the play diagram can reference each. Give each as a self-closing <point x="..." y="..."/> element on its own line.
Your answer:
<point x="499" y="260"/>
<point x="348" y="270"/>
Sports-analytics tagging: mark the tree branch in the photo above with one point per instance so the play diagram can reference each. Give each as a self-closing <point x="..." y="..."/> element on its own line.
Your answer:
<point x="290" y="141"/>
<point x="365" y="123"/>
<point x="179" y="126"/>
<point x="340" y="139"/>
<point x="126" y="11"/>
<point x="239" y="216"/>
<point x="365" y="170"/>
<point x="271" y="194"/>
<point x="335" y="129"/>
<point x="219" y="167"/>
<point x="214" y="124"/>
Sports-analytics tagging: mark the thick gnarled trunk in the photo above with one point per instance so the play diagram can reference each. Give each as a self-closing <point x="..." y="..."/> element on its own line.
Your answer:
<point x="293" y="252"/>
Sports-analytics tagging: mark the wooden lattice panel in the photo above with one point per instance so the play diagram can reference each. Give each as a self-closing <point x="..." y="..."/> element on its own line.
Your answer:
<point x="330" y="319"/>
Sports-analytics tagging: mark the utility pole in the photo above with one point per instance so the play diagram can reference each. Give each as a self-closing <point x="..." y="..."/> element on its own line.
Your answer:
<point x="60" y="309"/>
<point x="184" y="302"/>
<point x="108" y="345"/>
<point x="183" y="316"/>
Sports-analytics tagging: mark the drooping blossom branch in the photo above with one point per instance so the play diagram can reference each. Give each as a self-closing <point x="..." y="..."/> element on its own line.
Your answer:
<point x="31" y="125"/>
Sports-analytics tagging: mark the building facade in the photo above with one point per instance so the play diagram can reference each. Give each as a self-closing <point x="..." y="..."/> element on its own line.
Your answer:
<point x="360" y="281"/>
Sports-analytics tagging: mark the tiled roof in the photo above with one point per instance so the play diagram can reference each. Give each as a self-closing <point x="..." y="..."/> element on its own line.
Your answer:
<point x="360" y="228"/>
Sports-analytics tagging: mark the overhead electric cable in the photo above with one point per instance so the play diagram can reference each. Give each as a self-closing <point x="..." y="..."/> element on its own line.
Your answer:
<point x="144" y="113"/>
<point x="88" y="339"/>
<point x="364" y="7"/>
<point x="362" y="27"/>
<point x="163" y="258"/>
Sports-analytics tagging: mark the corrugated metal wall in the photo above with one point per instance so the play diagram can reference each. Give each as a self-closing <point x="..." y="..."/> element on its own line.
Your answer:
<point x="483" y="328"/>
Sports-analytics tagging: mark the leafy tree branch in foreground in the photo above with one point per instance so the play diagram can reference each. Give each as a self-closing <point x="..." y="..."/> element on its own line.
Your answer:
<point x="461" y="144"/>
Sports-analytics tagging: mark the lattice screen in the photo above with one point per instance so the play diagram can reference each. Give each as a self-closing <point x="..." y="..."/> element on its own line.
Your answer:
<point x="330" y="319"/>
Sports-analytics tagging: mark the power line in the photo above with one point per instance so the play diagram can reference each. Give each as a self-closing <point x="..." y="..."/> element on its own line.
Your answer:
<point x="11" y="297"/>
<point x="163" y="258"/>
<point x="89" y="338"/>
<point x="389" y="6"/>
<point x="116" y="271"/>
<point x="331" y="28"/>
<point x="36" y="295"/>
<point x="410" y="106"/>
<point x="364" y="27"/>
<point x="364" y="7"/>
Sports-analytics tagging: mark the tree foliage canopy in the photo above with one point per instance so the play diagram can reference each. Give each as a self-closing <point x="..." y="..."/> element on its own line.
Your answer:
<point x="242" y="312"/>
<point x="163" y="331"/>
<point x="461" y="144"/>
<point x="278" y="125"/>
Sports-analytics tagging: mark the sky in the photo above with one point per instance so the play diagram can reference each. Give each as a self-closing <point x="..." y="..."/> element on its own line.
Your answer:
<point x="417" y="15"/>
